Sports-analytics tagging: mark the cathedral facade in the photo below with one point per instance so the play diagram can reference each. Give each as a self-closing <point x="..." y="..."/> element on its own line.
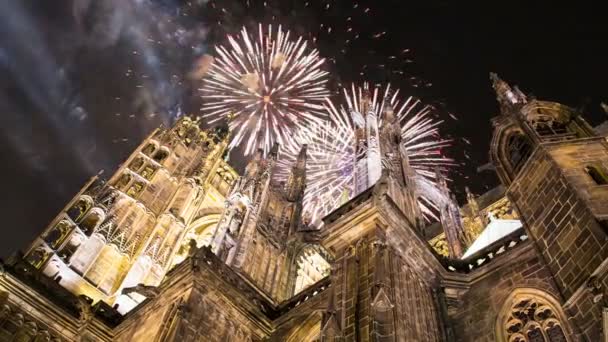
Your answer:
<point x="176" y="246"/>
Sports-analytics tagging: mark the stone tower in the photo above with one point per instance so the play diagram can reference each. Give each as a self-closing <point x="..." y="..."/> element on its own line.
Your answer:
<point x="384" y="273"/>
<point x="555" y="169"/>
<point x="261" y="219"/>
<point x="128" y="231"/>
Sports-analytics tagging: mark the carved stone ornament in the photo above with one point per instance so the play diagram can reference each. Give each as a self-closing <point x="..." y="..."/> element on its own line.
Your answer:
<point x="594" y="285"/>
<point x="144" y="290"/>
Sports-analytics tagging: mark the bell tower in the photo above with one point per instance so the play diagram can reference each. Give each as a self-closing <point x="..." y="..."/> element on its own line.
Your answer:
<point x="554" y="168"/>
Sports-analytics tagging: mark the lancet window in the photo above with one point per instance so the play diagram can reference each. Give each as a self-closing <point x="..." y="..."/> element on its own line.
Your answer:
<point x="311" y="266"/>
<point x="519" y="150"/>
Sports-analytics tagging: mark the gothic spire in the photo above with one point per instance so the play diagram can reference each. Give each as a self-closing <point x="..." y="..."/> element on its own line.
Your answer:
<point x="388" y="113"/>
<point x="472" y="201"/>
<point x="506" y="96"/>
<point x="301" y="160"/>
<point x="297" y="179"/>
<point x="366" y="103"/>
<point x="441" y="181"/>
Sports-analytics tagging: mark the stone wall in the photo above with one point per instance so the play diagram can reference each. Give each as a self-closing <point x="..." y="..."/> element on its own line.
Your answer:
<point x="412" y="301"/>
<point x="416" y="306"/>
<point x="559" y="219"/>
<point x="572" y="158"/>
<point x="474" y="318"/>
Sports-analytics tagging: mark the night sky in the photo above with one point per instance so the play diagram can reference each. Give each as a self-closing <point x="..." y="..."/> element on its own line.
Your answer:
<point x="82" y="82"/>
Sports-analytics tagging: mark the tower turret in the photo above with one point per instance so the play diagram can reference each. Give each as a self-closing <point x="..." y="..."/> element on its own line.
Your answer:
<point x="128" y="231"/>
<point x="553" y="167"/>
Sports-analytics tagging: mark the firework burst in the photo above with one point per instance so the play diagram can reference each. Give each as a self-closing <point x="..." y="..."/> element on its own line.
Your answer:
<point x="331" y="150"/>
<point x="329" y="165"/>
<point x="268" y="84"/>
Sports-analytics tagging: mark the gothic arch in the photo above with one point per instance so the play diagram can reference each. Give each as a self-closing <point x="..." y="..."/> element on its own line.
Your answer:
<point x="200" y="230"/>
<point x="203" y="226"/>
<point x="532" y="315"/>
<point x="510" y="149"/>
<point x="310" y="264"/>
<point x="80" y="207"/>
<point x="150" y="148"/>
<point x="161" y="154"/>
<point x="92" y="220"/>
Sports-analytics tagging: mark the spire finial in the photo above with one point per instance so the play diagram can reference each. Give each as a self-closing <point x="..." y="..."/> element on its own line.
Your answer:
<point x="301" y="160"/>
<point x="388" y="110"/>
<point x="505" y="96"/>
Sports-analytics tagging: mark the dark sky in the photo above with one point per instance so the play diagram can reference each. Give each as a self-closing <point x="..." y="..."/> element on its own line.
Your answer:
<point x="82" y="82"/>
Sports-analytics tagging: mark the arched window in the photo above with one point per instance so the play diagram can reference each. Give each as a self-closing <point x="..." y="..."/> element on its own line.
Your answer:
<point x="311" y="266"/>
<point x="135" y="189"/>
<point x="149" y="149"/>
<point x="161" y="155"/>
<point x="124" y="180"/>
<point x="81" y="207"/>
<point x="548" y="127"/>
<point x="519" y="150"/>
<point x="56" y="235"/>
<point x="91" y="221"/>
<point x="136" y="164"/>
<point x="597" y="174"/>
<point x="531" y="315"/>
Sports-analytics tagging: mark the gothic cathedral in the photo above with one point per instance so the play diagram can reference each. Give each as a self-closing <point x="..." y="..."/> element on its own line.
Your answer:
<point x="176" y="246"/>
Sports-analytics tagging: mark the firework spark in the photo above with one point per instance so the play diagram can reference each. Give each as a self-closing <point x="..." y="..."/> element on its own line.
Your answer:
<point x="268" y="83"/>
<point x="329" y="165"/>
<point x="331" y="150"/>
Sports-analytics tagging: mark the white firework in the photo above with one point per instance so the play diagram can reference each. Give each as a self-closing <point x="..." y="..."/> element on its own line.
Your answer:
<point x="268" y="84"/>
<point x="330" y="173"/>
<point x="329" y="163"/>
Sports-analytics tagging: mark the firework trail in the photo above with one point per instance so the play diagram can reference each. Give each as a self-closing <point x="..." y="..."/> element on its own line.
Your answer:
<point x="331" y="150"/>
<point x="268" y="84"/>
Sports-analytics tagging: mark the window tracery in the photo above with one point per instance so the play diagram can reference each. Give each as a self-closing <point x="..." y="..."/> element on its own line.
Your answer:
<point x="519" y="150"/>
<point x="532" y="318"/>
<point x="311" y="266"/>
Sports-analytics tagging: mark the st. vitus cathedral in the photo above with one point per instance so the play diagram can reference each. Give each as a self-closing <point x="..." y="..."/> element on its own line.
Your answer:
<point x="176" y="246"/>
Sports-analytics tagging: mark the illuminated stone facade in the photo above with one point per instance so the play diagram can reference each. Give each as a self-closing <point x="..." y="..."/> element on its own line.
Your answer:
<point x="176" y="246"/>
